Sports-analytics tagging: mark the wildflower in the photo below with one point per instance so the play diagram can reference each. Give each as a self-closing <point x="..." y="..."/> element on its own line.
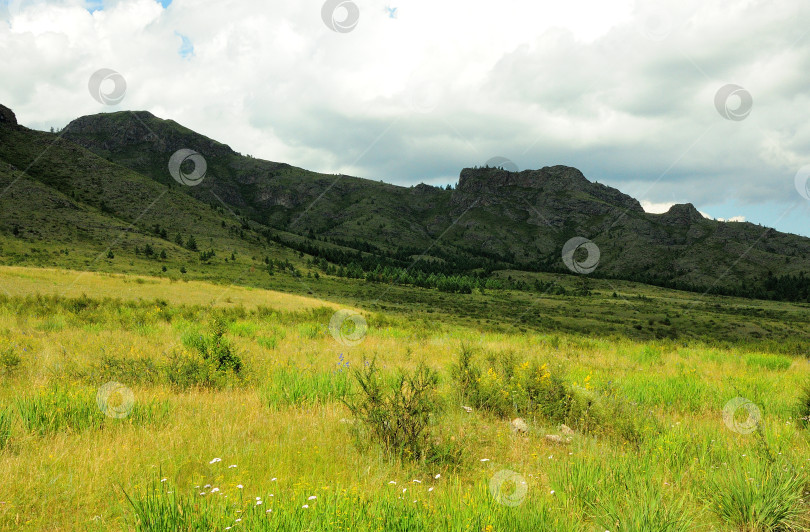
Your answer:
<point x="552" y="492"/>
<point x="231" y="466"/>
<point x="312" y="497"/>
<point x="417" y="481"/>
<point x="239" y="486"/>
<point x="268" y="511"/>
<point x="215" y="460"/>
<point x="258" y="503"/>
<point x="485" y="459"/>
<point x="273" y="479"/>
<point x="393" y="482"/>
<point x="437" y="476"/>
<point x="305" y="506"/>
<point x="430" y="488"/>
<point x="214" y="490"/>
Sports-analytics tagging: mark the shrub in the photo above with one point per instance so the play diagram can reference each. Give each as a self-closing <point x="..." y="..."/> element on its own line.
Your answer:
<point x="141" y="370"/>
<point x="395" y="414"/>
<point x="215" y="348"/>
<point x="185" y="370"/>
<point x="9" y="361"/>
<point x="509" y="388"/>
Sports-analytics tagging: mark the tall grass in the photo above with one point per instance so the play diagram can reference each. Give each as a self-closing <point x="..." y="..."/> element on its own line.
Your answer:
<point x="160" y="507"/>
<point x="288" y="385"/>
<point x="757" y="495"/>
<point x="61" y="409"/>
<point x="5" y="425"/>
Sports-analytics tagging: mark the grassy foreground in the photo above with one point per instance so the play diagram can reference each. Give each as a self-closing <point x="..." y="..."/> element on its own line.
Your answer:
<point x="229" y="408"/>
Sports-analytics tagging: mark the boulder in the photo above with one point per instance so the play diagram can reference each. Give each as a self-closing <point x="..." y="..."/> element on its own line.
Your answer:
<point x="519" y="425"/>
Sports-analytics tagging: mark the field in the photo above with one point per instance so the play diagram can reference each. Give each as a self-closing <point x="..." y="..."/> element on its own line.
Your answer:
<point x="247" y="408"/>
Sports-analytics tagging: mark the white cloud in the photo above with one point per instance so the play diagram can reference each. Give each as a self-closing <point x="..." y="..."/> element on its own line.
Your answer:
<point x="656" y="208"/>
<point x="622" y="89"/>
<point x="732" y="219"/>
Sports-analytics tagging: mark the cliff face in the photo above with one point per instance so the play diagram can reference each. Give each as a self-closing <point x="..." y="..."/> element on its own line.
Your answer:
<point x="7" y="117"/>
<point x="550" y="180"/>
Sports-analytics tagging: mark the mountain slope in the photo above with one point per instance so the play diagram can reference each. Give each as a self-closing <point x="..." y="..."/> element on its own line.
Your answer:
<point x="493" y="219"/>
<point x="54" y="192"/>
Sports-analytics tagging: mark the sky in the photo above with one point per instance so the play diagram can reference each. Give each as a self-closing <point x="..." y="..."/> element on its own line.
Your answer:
<point x="698" y="101"/>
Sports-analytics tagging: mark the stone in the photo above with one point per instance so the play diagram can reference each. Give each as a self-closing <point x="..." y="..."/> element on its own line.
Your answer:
<point x="519" y="425"/>
<point x="557" y="439"/>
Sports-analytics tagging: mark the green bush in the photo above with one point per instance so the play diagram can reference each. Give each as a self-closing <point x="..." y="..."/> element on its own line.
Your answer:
<point x="508" y="388"/>
<point x="9" y="361"/>
<point x="395" y="413"/>
<point x="215" y="348"/>
<point x="143" y="370"/>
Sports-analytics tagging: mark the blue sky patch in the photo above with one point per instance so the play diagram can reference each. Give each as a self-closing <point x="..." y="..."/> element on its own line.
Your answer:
<point x="97" y="5"/>
<point x="186" y="47"/>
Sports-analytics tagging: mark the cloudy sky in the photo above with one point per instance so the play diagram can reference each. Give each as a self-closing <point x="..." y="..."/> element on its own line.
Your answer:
<point x="671" y="101"/>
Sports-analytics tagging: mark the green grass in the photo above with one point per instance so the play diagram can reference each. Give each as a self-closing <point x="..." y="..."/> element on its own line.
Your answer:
<point x="650" y="446"/>
<point x="160" y="507"/>
<point x="769" y="361"/>
<point x="756" y="495"/>
<point x="59" y="409"/>
<point x="289" y="385"/>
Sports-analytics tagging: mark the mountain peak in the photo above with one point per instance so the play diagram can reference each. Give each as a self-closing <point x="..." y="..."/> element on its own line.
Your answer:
<point x="683" y="213"/>
<point x="497" y="177"/>
<point x="482" y="182"/>
<point x="110" y="132"/>
<point x="7" y="116"/>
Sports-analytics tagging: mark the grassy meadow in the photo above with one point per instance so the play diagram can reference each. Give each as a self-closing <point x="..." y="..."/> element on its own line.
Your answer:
<point x="235" y="408"/>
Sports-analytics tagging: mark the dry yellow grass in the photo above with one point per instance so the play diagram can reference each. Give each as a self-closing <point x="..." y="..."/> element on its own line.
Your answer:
<point x="74" y="481"/>
<point x="22" y="281"/>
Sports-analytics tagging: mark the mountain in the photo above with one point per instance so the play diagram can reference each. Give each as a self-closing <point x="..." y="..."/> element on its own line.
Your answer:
<point x="110" y="165"/>
<point x="492" y="219"/>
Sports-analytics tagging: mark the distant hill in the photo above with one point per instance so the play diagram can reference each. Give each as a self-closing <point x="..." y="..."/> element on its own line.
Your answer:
<point x="103" y="169"/>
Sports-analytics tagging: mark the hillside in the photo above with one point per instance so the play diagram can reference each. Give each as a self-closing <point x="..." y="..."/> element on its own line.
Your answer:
<point x="494" y="219"/>
<point x="103" y="186"/>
